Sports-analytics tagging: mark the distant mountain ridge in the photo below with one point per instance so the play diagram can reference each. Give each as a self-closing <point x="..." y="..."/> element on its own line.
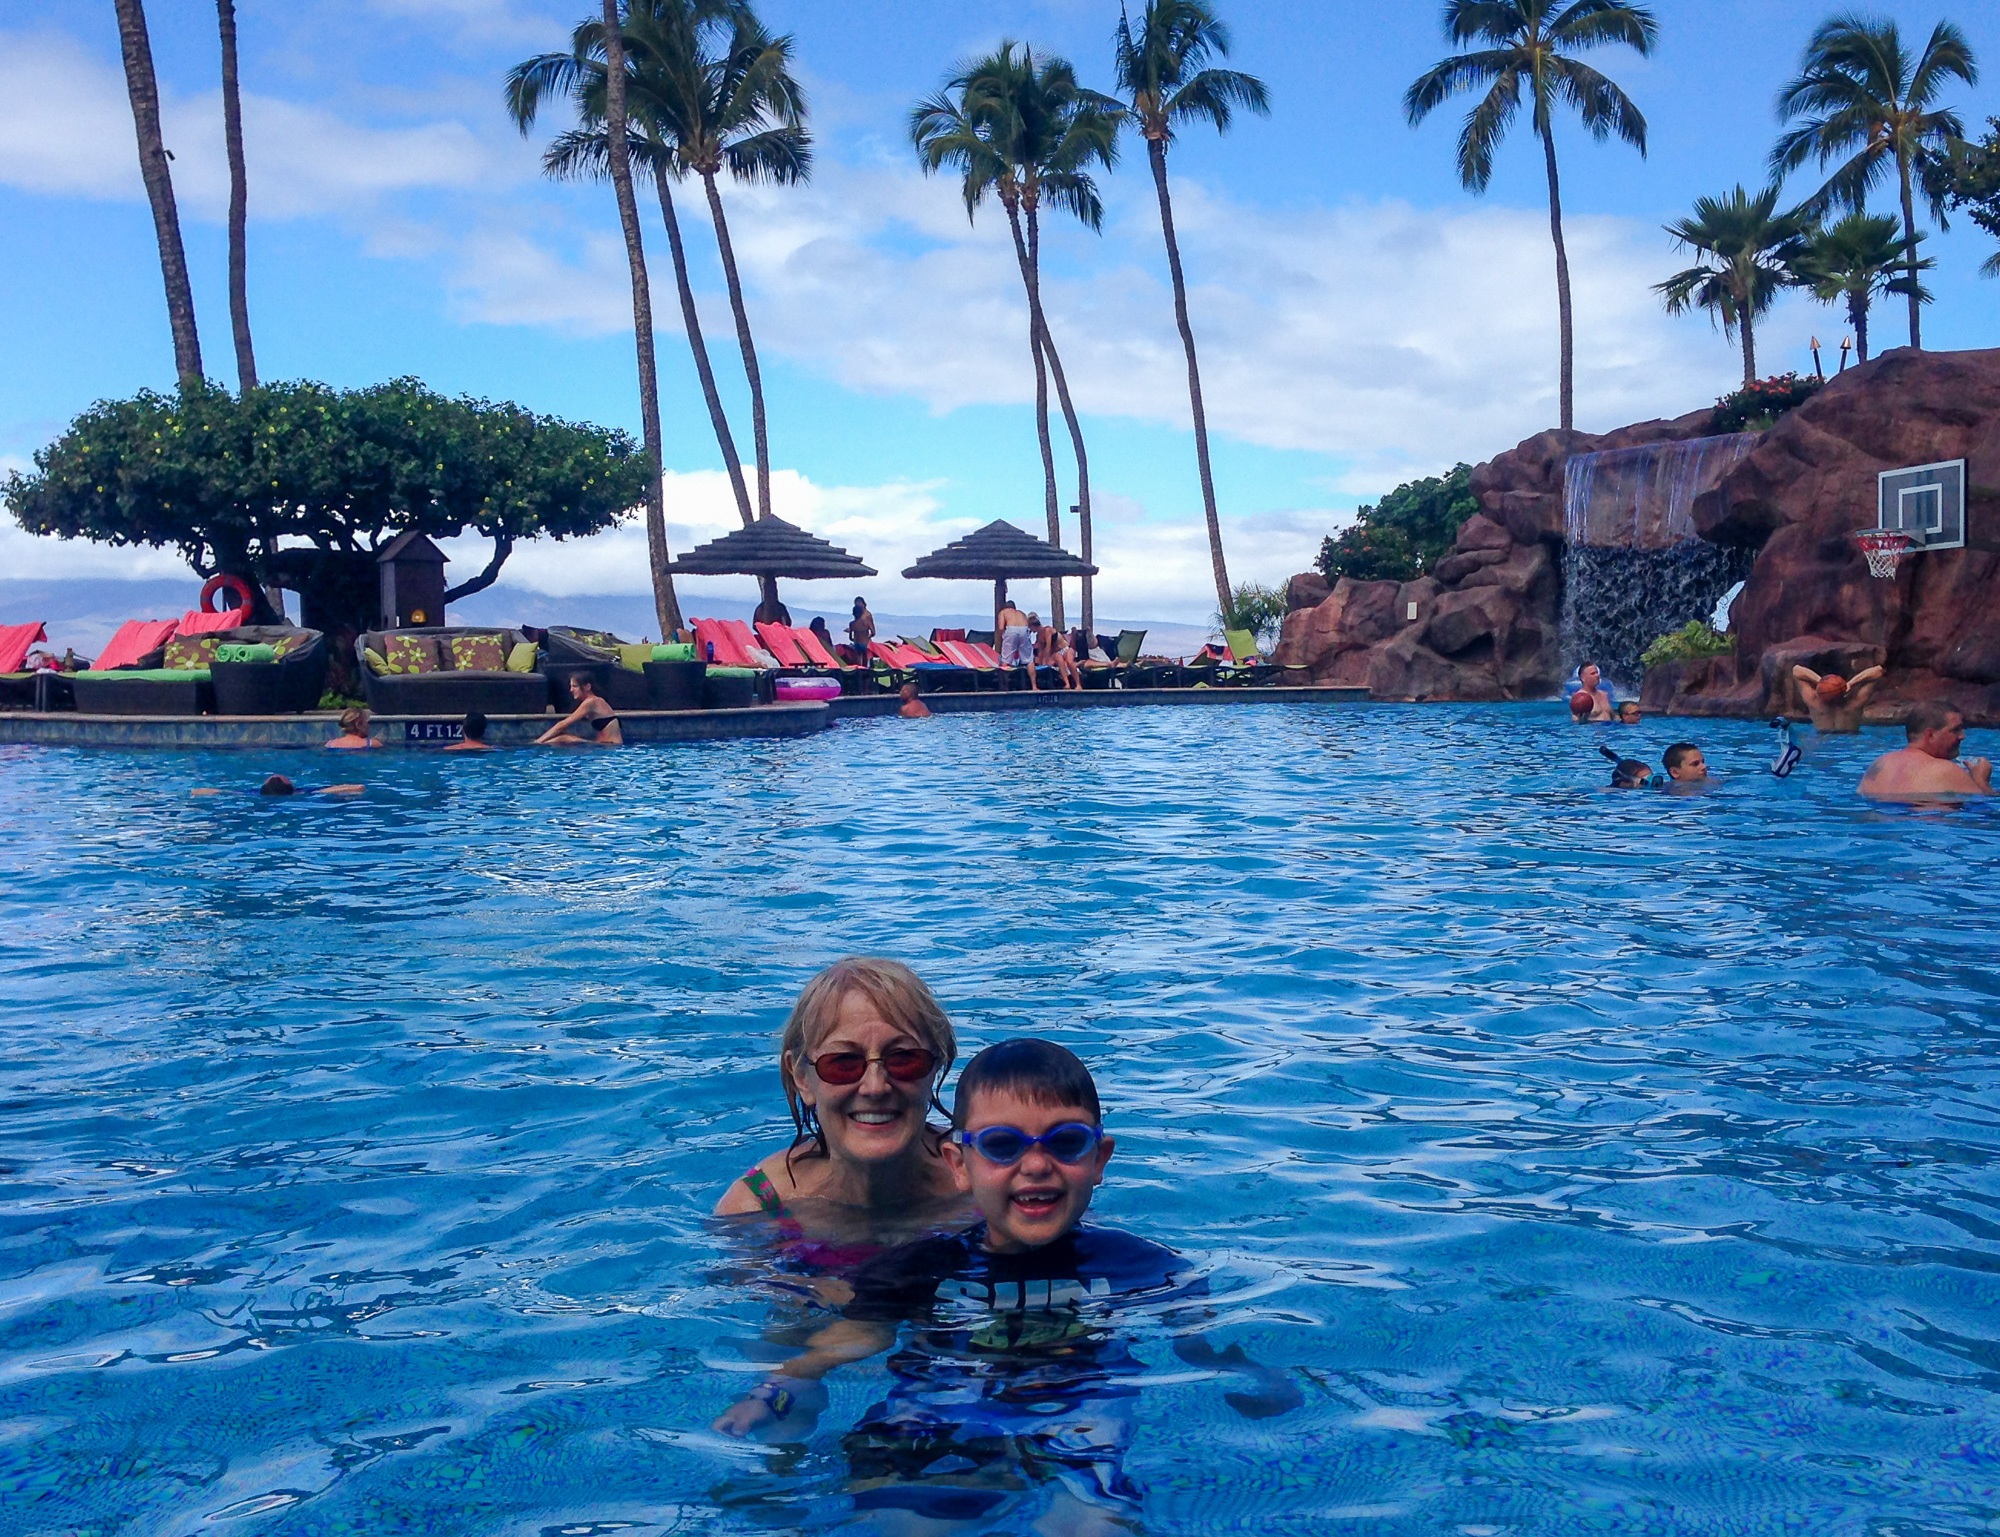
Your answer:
<point x="82" y="614"/>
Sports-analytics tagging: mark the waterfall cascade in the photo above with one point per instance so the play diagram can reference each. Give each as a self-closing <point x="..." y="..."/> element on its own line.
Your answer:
<point x="1633" y="565"/>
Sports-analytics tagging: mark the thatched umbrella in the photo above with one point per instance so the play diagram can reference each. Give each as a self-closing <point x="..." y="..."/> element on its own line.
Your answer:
<point x="768" y="549"/>
<point x="995" y="553"/>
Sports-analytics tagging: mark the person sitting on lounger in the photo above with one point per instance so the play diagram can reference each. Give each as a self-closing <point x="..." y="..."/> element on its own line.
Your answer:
<point x="474" y="739"/>
<point x="1835" y="703"/>
<point x="353" y="732"/>
<point x="913" y="707"/>
<point x="1052" y="649"/>
<point x="593" y="723"/>
<point x="818" y="627"/>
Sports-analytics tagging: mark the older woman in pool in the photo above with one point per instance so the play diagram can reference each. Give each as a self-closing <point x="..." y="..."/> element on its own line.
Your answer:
<point x="862" y="1058"/>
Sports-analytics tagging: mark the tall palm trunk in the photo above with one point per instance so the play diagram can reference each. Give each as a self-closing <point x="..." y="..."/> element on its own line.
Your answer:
<point x="691" y="322"/>
<point x="1156" y="150"/>
<point x="1910" y="255"/>
<point x="144" y="90"/>
<point x="1564" y="318"/>
<point x="1048" y="346"/>
<point x="666" y="602"/>
<point x="1748" y="328"/>
<point x="239" y="201"/>
<point x="1041" y="407"/>
<point x="750" y="371"/>
<point x="1857" y="315"/>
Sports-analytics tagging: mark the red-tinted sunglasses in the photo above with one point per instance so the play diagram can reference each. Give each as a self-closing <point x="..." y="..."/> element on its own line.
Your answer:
<point x="905" y="1064"/>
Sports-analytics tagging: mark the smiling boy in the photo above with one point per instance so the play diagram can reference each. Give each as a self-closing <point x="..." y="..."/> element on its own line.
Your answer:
<point x="1013" y="1372"/>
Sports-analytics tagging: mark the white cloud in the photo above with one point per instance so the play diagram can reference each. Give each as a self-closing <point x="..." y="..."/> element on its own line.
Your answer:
<point x="66" y="129"/>
<point x="1396" y="339"/>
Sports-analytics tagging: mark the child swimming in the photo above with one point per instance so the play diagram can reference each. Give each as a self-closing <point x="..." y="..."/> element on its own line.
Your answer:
<point x="1011" y="1372"/>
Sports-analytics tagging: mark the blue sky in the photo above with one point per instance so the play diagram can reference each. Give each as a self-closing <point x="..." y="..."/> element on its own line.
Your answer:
<point x="1363" y="319"/>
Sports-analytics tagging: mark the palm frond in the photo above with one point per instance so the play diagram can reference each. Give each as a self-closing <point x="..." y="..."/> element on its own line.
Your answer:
<point x="1604" y="108"/>
<point x="1600" y="23"/>
<point x="782" y="156"/>
<point x="1463" y="72"/>
<point x="1213" y="96"/>
<point x="1484" y="127"/>
<point x="1491" y="21"/>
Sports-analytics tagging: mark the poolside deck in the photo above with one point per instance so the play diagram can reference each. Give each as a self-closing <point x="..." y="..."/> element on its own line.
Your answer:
<point x="68" y="729"/>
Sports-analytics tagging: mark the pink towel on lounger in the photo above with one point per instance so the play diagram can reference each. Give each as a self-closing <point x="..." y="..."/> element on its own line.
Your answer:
<point x="135" y="640"/>
<point x="815" y="652"/>
<point x="716" y="646"/>
<point x="778" y="641"/>
<point x="15" y="639"/>
<point x="195" y="622"/>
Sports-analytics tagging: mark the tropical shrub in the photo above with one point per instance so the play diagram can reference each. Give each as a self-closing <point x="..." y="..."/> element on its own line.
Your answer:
<point x="1260" y="610"/>
<point x="1409" y="531"/>
<point x="1966" y="175"/>
<point x="1692" y="641"/>
<point x="1762" y="403"/>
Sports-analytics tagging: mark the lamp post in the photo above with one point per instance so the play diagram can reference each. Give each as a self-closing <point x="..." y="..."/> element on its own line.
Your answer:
<point x="1818" y="370"/>
<point x="1846" y="344"/>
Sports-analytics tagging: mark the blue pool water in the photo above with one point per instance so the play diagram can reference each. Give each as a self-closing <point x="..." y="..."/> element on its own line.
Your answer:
<point x="1594" y="1162"/>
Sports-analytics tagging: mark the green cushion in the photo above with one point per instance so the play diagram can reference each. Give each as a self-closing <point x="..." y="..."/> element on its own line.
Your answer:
<point x="732" y="672"/>
<point x="676" y="651"/>
<point x="522" y="657"/>
<point x="635" y="656"/>
<point x="243" y="651"/>
<point x="159" y="674"/>
<point x="377" y="663"/>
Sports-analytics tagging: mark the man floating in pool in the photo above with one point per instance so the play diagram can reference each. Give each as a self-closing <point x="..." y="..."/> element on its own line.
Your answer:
<point x="1929" y="764"/>
<point x="1835" y="703"/>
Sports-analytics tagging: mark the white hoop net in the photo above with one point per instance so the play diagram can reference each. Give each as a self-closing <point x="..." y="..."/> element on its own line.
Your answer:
<point x="1884" y="548"/>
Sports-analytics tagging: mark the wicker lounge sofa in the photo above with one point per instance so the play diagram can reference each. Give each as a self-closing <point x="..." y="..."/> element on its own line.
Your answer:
<point x="286" y="682"/>
<point x="451" y="671"/>
<point x="169" y="676"/>
<point x="622" y="670"/>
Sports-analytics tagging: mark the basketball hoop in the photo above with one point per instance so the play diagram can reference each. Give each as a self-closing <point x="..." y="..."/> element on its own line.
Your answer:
<point x="1884" y="548"/>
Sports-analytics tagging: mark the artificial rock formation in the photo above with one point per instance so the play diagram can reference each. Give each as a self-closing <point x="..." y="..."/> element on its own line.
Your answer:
<point x="1484" y="623"/>
<point x="1799" y="497"/>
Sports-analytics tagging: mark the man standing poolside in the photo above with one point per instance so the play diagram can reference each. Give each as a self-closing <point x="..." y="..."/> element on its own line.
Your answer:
<point x="1929" y="765"/>
<point x="1835" y="703"/>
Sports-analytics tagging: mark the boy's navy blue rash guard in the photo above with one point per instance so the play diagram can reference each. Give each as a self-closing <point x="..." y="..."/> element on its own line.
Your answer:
<point x="1049" y="1309"/>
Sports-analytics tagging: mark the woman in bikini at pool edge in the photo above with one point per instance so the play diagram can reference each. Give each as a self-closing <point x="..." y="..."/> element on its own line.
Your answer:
<point x="862" y="1057"/>
<point x="592" y="715"/>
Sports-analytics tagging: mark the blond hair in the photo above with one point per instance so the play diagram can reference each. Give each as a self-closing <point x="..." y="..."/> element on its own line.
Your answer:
<point x="354" y="722"/>
<point x="899" y="996"/>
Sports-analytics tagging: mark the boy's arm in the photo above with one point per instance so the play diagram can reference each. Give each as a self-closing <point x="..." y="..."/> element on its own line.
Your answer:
<point x="1270" y="1392"/>
<point x="835" y="1345"/>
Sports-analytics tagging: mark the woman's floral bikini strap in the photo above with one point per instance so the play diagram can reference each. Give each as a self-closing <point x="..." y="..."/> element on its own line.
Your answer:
<point x="766" y="1193"/>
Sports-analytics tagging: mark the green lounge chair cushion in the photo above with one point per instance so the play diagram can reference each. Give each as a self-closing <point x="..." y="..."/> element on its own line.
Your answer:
<point x="674" y="651"/>
<point x="635" y="656"/>
<point x="732" y="672"/>
<point x="377" y="663"/>
<point x="158" y="674"/>
<point x="523" y="656"/>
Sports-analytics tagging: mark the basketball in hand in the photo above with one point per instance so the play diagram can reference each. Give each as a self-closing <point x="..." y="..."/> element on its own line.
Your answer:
<point x="1581" y="703"/>
<point x="1832" y="687"/>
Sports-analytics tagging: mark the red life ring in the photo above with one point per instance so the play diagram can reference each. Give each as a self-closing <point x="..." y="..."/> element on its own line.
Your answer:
<point x="236" y="584"/>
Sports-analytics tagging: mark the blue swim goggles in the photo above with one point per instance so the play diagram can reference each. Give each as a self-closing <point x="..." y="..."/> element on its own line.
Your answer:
<point x="1071" y="1143"/>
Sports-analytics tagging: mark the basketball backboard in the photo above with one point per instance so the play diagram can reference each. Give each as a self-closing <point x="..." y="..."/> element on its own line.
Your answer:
<point x="1927" y="502"/>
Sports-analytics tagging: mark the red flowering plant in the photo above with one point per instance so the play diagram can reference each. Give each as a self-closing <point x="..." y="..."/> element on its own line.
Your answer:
<point x="1760" y="404"/>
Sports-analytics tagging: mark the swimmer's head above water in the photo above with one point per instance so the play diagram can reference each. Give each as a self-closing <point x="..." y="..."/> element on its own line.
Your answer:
<point x="1628" y="773"/>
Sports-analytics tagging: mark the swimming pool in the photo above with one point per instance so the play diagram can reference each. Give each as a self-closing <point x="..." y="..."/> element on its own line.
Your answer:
<point x="1596" y="1162"/>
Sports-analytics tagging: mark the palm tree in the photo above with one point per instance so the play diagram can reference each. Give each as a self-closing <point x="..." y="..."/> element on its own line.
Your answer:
<point x="1861" y="95"/>
<point x="143" y="88"/>
<point x="1749" y="248"/>
<point x="724" y="99"/>
<point x="1030" y="134"/>
<point x="666" y="602"/>
<point x="1163" y="71"/>
<point x="649" y="33"/>
<point x="239" y="201"/>
<point x="1853" y="261"/>
<point x="1533" y="47"/>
